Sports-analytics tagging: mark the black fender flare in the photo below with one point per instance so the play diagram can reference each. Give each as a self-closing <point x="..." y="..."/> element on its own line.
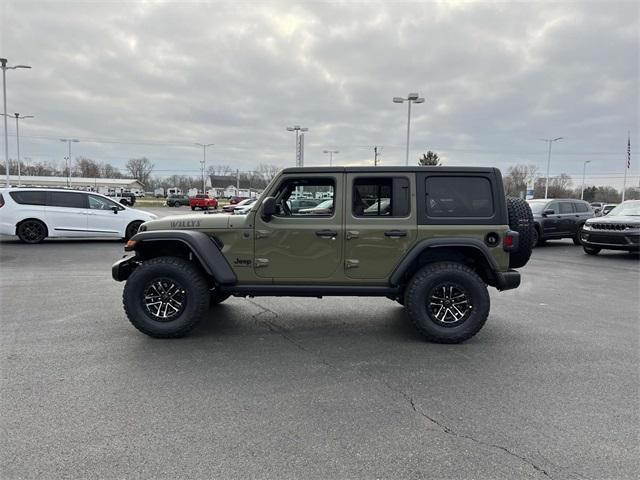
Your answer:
<point x="204" y="247"/>
<point x="429" y="243"/>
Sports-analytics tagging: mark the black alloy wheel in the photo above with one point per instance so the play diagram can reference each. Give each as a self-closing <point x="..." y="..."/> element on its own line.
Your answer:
<point x="449" y="304"/>
<point x="32" y="231"/>
<point x="164" y="299"/>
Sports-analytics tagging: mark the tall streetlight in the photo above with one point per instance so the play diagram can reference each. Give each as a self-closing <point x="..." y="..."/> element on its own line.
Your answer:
<point x="3" y="65"/>
<point x="411" y="98"/>
<point x="331" y="152"/>
<point x="204" y="161"/>
<point x="19" y="117"/>
<point x="549" y="141"/>
<point x="68" y="159"/>
<point x="297" y="129"/>
<point x="584" y="172"/>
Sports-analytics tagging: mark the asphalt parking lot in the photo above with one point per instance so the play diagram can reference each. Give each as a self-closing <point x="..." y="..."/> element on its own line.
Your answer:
<point x="309" y="388"/>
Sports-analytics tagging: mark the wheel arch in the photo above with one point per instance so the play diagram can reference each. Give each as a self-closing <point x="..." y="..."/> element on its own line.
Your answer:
<point x="471" y="252"/>
<point x="195" y="246"/>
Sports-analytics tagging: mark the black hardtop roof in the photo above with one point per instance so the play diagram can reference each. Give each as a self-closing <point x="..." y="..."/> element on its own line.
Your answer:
<point x="390" y="169"/>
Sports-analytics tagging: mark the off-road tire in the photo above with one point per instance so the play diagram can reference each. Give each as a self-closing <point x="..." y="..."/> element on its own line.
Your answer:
<point x="132" y="229"/>
<point x="217" y="297"/>
<point x="429" y="278"/>
<point x="193" y="208"/>
<point x="591" y="250"/>
<point x="521" y="221"/>
<point x="185" y="274"/>
<point x="31" y="231"/>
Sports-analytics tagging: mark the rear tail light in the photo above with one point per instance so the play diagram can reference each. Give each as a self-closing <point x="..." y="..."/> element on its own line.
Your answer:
<point x="510" y="241"/>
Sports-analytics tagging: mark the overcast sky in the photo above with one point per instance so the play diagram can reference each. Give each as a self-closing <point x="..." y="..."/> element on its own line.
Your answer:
<point x="150" y="78"/>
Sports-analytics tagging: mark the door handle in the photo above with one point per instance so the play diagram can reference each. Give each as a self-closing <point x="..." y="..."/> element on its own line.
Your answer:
<point x="395" y="233"/>
<point x="352" y="234"/>
<point x="262" y="233"/>
<point x="327" y="234"/>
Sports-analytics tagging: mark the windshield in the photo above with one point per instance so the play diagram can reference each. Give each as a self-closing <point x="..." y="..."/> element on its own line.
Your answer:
<point x="627" y="208"/>
<point x="537" y="207"/>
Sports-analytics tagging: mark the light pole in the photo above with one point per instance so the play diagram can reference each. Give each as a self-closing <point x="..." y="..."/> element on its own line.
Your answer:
<point x="584" y="172"/>
<point x="331" y="152"/>
<point x="3" y="65"/>
<point x="18" y="117"/>
<point x="297" y="129"/>
<point x="68" y="159"/>
<point x="549" y="141"/>
<point x="204" y="161"/>
<point x="411" y="98"/>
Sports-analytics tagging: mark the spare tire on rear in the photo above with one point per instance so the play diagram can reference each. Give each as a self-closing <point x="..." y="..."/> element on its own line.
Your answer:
<point x="521" y="221"/>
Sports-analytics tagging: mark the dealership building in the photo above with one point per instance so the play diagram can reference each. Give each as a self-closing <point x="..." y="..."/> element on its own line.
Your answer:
<point x="100" y="185"/>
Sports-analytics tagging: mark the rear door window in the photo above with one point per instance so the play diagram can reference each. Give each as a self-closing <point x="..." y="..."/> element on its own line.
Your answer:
<point x="67" y="199"/>
<point x="29" y="197"/>
<point x="381" y="197"/>
<point x="566" y="207"/>
<point x="581" y="207"/>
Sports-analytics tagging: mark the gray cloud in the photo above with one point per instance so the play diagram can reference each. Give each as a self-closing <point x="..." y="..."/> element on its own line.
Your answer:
<point x="497" y="76"/>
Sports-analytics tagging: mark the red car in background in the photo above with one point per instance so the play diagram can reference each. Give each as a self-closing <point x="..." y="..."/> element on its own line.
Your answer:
<point x="203" y="202"/>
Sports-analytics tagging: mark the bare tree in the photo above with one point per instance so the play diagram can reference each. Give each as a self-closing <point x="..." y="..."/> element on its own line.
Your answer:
<point x="267" y="171"/>
<point x="140" y="169"/>
<point x="87" y="167"/>
<point x="109" y="171"/>
<point x="220" y="170"/>
<point x="559" y="187"/>
<point x="518" y="178"/>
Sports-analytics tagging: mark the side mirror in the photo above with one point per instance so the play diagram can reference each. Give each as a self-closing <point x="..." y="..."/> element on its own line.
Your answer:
<point x="549" y="212"/>
<point x="268" y="208"/>
<point x="115" y="209"/>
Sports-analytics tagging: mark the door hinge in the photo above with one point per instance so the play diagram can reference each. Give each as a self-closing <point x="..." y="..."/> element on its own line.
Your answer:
<point x="351" y="263"/>
<point x="262" y="233"/>
<point x="262" y="262"/>
<point x="352" y="234"/>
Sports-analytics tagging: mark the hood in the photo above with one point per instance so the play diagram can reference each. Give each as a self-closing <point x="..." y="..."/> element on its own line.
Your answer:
<point x="189" y="222"/>
<point x="618" y="219"/>
<point x="142" y="213"/>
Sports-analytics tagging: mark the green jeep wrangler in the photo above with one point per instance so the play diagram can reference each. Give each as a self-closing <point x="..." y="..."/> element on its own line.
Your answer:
<point x="430" y="238"/>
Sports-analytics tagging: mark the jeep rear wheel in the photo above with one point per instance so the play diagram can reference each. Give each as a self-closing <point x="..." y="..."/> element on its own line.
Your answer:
<point x="165" y="297"/>
<point x="447" y="302"/>
<point x="521" y="221"/>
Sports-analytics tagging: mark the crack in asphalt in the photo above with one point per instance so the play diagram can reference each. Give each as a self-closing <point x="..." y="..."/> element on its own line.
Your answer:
<point x="278" y="329"/>
<point x="284" y="333"/>
<point x="449" y="431"/>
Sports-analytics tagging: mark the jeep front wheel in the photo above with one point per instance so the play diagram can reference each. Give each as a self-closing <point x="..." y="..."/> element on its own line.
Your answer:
<point x="165" y="297"/>
<point x="447" y="302"/>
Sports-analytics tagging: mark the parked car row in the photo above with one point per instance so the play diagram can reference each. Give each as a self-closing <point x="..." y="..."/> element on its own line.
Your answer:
<point x="617" y="227"/>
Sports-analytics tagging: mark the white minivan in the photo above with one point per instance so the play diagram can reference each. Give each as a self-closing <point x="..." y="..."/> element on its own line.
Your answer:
<point x="34" y="214"/>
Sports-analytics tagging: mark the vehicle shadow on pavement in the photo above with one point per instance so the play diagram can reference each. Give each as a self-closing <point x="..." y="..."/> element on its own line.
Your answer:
<point x="389" y="325"/>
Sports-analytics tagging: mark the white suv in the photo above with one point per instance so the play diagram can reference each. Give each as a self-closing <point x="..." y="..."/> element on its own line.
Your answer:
<point x="36" y="213"/>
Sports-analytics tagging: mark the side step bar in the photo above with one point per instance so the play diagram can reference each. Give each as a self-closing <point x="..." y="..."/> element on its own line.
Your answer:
<point x="308" y="291"/>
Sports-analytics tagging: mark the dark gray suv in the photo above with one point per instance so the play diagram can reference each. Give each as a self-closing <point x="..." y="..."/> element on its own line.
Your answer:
<point x="559" y="218"/>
